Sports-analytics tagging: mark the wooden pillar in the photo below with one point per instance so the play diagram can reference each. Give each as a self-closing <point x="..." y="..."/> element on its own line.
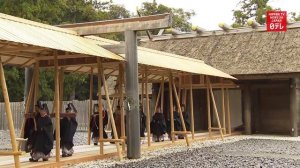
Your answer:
<point x="294" y="105"/>
<point x="228" y="111"/>
<point x="223" y="109"/>
<point x="121" y="80"/>
<point x="171" y="107"/>
<point x="132" y="116"/>
<point x="61" y="89"/>
<point x="158" y="97"/>
<point x="90" y="105"/>
<point x="36" y="83"/>
<point x="100" y="110"/>
<point x="110" y="112"/>
<point x="9" y="116"/>
<point x="162" y="94"/>
<point x="215" y="108"/>
<point x="191" y="106"/>
<point x="180" y="114"/>
<point x="208" y="108"/>
<point x="57" y="109"/>
<point x="247" y="109"/>
<point x="148" y="110"/>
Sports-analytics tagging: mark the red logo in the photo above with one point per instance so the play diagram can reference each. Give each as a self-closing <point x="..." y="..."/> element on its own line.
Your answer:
<point x="276" y="21"/>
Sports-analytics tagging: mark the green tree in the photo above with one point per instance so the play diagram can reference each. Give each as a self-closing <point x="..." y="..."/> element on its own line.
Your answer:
<point x="180" y="17"/>
<point x="249" y="9"/>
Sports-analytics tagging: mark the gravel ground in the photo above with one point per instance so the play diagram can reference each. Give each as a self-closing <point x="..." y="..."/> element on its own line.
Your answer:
<point x="239" y="151"/>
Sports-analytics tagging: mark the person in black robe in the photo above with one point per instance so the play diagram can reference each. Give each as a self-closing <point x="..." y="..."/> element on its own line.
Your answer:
<point x="177" y="123"/>
<point x="158" y="126"/>
<point x="94" y="125"/>
<point x="68" y="126"/>
<point x="142" y="122"/>
<point x="43" y="142"/>
<point x="117" y="118"/>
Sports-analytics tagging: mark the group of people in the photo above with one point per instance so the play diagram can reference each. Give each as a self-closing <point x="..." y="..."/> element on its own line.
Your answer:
<point x="40" y="136"/>
<point x="159" y="125"/>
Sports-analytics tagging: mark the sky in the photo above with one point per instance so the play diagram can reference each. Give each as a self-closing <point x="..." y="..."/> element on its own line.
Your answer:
<point x="209" y="13"/>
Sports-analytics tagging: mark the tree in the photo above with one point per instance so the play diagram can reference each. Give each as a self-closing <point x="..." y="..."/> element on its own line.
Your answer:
<point x="249" y="9"/>
<point x="180" y="17"/>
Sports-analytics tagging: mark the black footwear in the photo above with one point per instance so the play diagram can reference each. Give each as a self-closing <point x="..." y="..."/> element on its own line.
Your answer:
<point x="64" y="155"/>
<point x="95" y="144"/>
<point x="32" y="160"/>
<point x="45" y="159"/>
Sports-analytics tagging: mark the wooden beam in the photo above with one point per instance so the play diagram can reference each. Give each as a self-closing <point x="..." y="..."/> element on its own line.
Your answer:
<point x="100" y="110"/>
<point x="61" y="89"/>
<point x="90" y="105"/>
<point x="191" y="107"/>
<point x="57" y="110"/>
<point x="18" y="49"/>
<point x="147" y="110"/>
<point x="171" y="107"/>
<point x="215" y="107"/>
<point x="208" y="109"/>
<point x="162" y="93"/>
<point x="9" y="115"/>
<point x="121" y="25"/>
<point x="158" y="97"/>
<point x="69" y="61"/>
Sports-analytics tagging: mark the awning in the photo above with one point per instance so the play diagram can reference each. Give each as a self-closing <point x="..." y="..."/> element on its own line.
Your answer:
<point x="34" y="34"/>
<point x="169" y="61"/>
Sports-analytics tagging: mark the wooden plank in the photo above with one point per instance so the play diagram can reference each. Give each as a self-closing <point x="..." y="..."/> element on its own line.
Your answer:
<point x="215" y="108"/>
<point x="191" y="107"/>
<point x="56" y="107"/>
<point x="90" y="105"/>
<point x="180" y="113"/>
<point x="9" y="115"/>
<point x="100" y="110"/>
<point x="147" y="110"/>
<point x="171" y="107"/>
<point x="7" y="153"/>
<point x="223" y="109"/>
<point x="121" y="25"/>
<point x="228" y="111"/>
<point x="213" y="85"/>
<point x="111" y="140"/>
<point x="182" y="132"/>
<point x="110" y="112"/>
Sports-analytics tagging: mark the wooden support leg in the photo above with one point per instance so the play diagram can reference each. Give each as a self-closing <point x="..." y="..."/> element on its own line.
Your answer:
<point x="158" y="97"/>
<point x="28" y="101"/>
<point x="9" y="116"/>
<point x="100" y="110"/>
<point x="171" y="108"/>
<point x="111" y="114"/>
<point x="208" y="110"/>
<point x="57" y="110"/>
<point x="147" y="110"/>
<point x="90" y="105"/>
<point x="162" y="94"/>
<point x="180" y="114"/>
<point x="121" y="81"/>
<point x="228" y="112"/>
<point x="215" y="108"/>
<point x="223" y="109"/>
<point x="192" y="108"/>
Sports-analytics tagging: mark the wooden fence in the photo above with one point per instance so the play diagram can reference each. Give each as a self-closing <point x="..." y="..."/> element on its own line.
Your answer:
<point x="18" y="113"/>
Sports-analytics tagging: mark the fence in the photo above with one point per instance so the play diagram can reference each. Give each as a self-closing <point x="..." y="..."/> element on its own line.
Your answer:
<point x="19" y="107"/>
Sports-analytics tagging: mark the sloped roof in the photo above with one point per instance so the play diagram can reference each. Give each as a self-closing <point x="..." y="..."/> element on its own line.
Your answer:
<point x="256" y="52"/>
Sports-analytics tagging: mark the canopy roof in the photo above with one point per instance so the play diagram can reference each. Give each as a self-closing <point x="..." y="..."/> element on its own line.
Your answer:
<point x="23" y="42"/>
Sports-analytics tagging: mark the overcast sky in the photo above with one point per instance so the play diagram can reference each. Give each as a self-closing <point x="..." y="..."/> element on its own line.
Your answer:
<point x="209" y="13"/>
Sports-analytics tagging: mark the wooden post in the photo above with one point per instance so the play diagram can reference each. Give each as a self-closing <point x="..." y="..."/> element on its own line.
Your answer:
<point x="112" y="120"/>
<point x="57" y="109"/>
<point x="100" y="110"/>
<point x="121" y="94"/>
<point x="9" y="115"/>
<point x="162" y="94"/>
<point x="208" y="108"/>
<point x="90" y="105"/>
<point x="180" y="114"/>
<point x="192" y="107"/>
<point x="36" y="82"/>
<point x="171" y="107"/>
<point x="215" y="108"/>
<point x="223" y="109"/>
<point x="61" y="89"/>
<point x="143" y="90"/>
<point x="147" y="109"/>
<point x="228" y="112"/>
<point x="247" y="109"/>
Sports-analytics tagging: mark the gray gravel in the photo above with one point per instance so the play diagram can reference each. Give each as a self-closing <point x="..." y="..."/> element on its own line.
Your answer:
<point x="241" y="151"/>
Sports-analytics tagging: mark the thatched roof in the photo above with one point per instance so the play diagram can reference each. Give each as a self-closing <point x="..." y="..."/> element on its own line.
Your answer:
<point x="243" y="53"/>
